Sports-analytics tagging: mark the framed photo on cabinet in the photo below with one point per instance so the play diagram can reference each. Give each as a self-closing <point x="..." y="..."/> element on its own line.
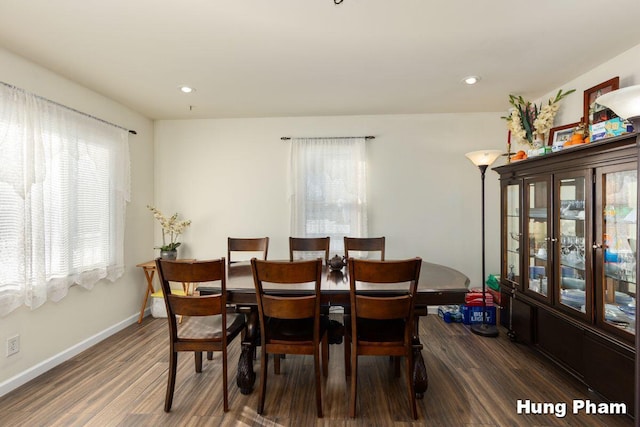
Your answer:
<point x="594" y="112"/>
<point x="561" y="134"/>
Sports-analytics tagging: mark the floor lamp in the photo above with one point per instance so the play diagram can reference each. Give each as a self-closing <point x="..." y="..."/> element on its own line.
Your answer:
<point x="483" y="159"/>
<point x="625" y="103"/>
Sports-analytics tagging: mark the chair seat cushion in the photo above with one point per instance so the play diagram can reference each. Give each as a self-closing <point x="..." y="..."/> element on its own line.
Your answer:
<point x="374" y="330"/>
<point x="210" y="327"/>
<point x="293" y="329"/>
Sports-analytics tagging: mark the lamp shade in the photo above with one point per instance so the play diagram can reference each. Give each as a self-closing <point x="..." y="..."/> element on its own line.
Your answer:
<point x="483" y="157"/>
<point x="624" y="102"/>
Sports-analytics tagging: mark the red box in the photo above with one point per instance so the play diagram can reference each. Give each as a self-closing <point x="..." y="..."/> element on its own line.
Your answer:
<point x="497" y="296"/>
<point x="474" y="297"/>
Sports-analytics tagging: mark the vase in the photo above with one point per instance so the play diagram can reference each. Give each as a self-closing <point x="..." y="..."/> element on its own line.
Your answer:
<point x="538" y="141"/>
<point x="537" y="146"/>
<point x="170" y="255"/>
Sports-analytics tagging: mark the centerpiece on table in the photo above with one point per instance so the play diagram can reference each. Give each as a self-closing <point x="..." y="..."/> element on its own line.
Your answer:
<point x="172" y="228"/>
<point x="529" y="123"/>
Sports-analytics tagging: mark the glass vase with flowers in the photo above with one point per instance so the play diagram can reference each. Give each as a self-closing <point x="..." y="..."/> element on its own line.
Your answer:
<point x="529" y="123"/>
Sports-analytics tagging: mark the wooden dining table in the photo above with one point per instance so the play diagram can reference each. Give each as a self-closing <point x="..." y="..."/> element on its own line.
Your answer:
<point x="438" y="285"/>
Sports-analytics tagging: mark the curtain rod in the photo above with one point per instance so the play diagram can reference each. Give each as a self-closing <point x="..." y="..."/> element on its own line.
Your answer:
<point x="287" y="138"/>
<point x="133" y="132"/>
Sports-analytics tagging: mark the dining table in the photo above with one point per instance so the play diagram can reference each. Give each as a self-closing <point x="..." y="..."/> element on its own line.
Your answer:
<point x="438" y="285"/>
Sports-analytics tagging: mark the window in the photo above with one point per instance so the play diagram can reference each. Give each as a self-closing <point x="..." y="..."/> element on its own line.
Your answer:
<point x="64" y="183"/>
<point x="328" y="189"/>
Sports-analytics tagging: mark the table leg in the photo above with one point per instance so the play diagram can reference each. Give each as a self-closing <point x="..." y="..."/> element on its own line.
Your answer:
<point x="246" y="376"/>
<point x="420" y="378"/>
<point x="149" y="273"/>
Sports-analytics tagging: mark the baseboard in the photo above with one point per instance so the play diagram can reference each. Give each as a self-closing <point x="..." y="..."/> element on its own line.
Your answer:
<point x="39" y="369"/>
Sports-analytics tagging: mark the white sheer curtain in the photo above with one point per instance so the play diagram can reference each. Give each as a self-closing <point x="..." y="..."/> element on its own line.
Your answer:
<point x="328" y="189"/>
<point x="64" y="184"/>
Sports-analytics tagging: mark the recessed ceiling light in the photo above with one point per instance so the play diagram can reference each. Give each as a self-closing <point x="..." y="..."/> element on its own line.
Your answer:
<point x="186" y="89"/>
<point x="471" y="80"/>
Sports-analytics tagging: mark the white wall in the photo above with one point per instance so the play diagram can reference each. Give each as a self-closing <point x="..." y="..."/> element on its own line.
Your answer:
<point x="230" y="178"/>
<point x="55" y="331"/>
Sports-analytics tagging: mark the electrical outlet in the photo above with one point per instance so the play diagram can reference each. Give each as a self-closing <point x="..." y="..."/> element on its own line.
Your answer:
<point x="13" y="345"/>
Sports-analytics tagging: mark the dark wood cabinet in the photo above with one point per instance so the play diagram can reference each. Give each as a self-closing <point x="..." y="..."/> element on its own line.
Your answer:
<point x="564" y="345"/>
<point x="568" y="255"/>
<point x="522" y="321"/>
<point x="609" y="368"/>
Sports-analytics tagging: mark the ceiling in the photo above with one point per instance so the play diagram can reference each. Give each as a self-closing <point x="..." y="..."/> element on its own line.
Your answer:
<point x="278" y="58"/>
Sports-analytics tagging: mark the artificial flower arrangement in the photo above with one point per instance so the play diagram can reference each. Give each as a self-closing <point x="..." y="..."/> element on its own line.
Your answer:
<point x="171" y="228"/>
<point x="529" y="122"/>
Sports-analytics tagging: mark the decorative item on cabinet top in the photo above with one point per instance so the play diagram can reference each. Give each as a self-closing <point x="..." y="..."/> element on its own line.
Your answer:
<point x="560" y="135"/>
<point x="528" y="122"/>
<point x="596" y="116"/>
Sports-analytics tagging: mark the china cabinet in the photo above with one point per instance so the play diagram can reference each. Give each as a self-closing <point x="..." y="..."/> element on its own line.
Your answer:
<point x="568" y="273"/>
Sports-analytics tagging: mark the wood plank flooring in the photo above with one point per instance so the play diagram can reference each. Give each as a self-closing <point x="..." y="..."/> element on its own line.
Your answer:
<point x="473" y="381"/>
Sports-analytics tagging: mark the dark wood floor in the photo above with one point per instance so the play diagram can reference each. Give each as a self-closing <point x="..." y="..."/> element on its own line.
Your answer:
<point x="474" y="381"/>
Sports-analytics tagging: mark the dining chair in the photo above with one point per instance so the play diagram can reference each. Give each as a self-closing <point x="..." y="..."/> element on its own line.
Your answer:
<point x="382" y="324"/>
<point x="206" y="325"/>
<point x="364" y="244"/>
<point x="290" y="324"/>
<point x="259" y="244"/>
<point x="358" y="244"/>
<point x="314" y="245"/>
<point x="309" y="244"/>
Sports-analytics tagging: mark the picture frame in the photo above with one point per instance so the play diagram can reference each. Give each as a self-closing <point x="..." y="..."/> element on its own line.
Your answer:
<point x="561" y="134"/>
<point x="593" y="112"/>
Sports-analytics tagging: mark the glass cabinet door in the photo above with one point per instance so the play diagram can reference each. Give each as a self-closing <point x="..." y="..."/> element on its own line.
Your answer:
<point x="572" y="213"/>
<point x="512" y="233"/>
<point x="615" y="246"/>
<point x="537" y="237"/>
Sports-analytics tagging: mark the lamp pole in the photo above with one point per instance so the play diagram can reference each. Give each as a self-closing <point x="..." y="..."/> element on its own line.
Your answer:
<point x="483" y="159"/>
<point x="484" y="329"/>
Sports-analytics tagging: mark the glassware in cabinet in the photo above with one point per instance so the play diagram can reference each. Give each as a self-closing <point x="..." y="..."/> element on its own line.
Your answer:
<point x="513" y="234"/>
<point x="572" y="234"/>
<point x="537" y="234"/>
<point x="616" y="248"/>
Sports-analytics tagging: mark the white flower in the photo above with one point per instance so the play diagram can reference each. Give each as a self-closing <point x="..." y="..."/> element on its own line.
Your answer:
<point x="528" y="120"/>
<point x="171" y="227"/>
<point x="515" y="125"/>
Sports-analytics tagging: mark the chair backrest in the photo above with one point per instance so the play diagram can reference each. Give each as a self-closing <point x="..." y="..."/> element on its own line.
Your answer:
<point x="194" y="305"/>
<point x="364" y="244"/>
<point x="309" y="244"/>
<point x="259" y="244"/>
<point x="303" y="306"/>
<point x="370" y="273"/>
